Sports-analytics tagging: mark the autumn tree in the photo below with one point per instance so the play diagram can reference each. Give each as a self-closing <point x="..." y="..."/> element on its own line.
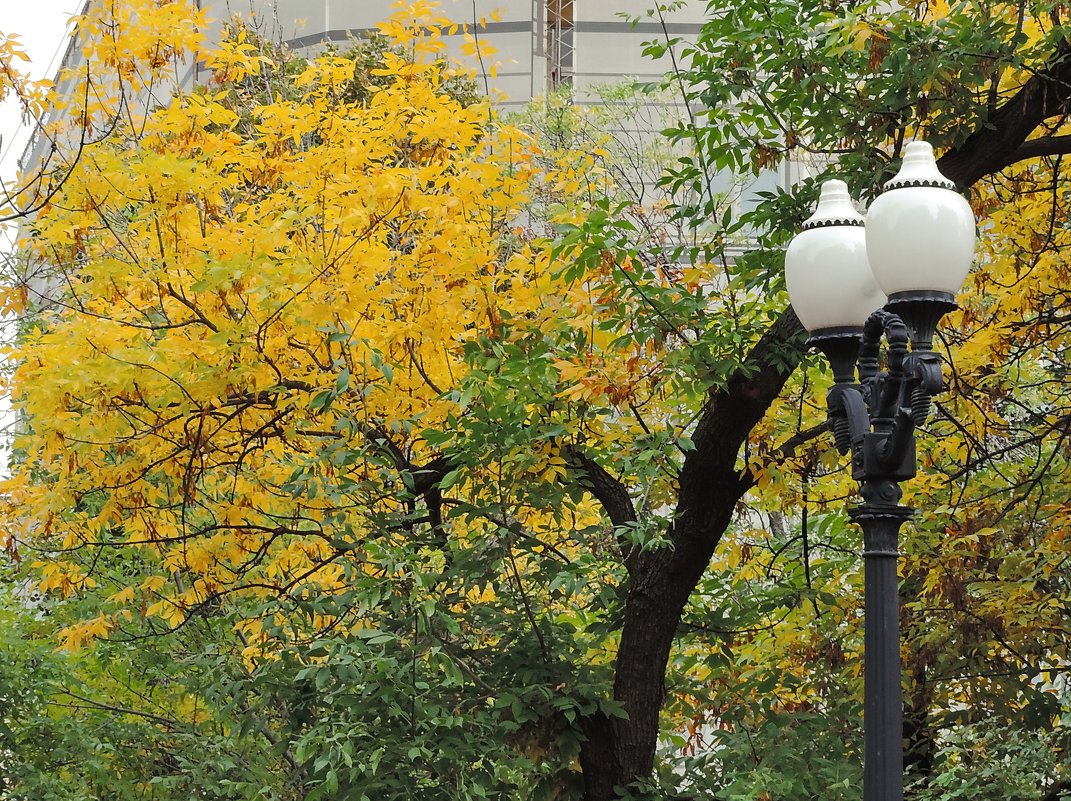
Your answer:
<point x="55" y="147"/>
<point x="986" y="650"/>
<point x="375" y="205"/>
<point x="440" y="500"/>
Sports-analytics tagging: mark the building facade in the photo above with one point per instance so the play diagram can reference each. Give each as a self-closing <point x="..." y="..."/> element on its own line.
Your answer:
<point x="540" y="44"/>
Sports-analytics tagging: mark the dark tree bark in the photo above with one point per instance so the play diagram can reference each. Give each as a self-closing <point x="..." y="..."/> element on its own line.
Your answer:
<point x="920" y="745"/>
<point x="621" y="751"/>
<point x="1002" y="140"/>
<point x="1060" y="791"/>
<point x="662" y="581"/>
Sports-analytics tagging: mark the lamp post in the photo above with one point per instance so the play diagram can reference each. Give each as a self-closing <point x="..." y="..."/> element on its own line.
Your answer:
<point x="853" y="284"/>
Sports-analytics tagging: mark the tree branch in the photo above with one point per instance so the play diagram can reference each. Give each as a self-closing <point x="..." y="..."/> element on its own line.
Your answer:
<point x="993" y="143"/>
<point x="610" y="493"/>
<point x="786" y="451"/>
<point x="607" y="490"/>
<point x="709" y="476"/>
<point x="1037" y="148"/>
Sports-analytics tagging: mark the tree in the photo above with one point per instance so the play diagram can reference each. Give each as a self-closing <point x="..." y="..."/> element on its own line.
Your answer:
<point x="320" y="343"/>
<point x="981" y="582"/>
<point x="307" y="379"/>
<point x="54" y="149"/>
<point x="28" y="94"/>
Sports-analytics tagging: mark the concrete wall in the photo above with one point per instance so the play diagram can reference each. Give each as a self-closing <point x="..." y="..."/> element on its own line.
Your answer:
<point x="599" y="45"/>
<point x="605" y="46"/>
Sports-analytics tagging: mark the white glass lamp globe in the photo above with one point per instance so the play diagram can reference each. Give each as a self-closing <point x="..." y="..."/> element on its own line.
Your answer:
<point x="920" y="232"/>
<point x="829" y="281"/>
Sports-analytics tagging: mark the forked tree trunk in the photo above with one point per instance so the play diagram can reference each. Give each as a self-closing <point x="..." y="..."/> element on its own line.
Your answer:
<point x="618" y="751"/>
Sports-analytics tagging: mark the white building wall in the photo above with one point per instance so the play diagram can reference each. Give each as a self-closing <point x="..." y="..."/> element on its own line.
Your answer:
<point x="604" y="45"/>
<point x="598" y="44"/>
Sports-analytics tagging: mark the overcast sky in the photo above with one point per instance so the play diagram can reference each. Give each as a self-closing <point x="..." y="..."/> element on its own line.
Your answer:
<point x="42" y="27"/>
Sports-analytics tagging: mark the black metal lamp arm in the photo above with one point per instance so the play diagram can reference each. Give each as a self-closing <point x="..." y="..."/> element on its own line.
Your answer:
<point x="875" y="419"/>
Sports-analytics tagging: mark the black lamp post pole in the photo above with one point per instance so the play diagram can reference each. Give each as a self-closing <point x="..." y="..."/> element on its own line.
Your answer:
<point x="883" y="753"/>
<point x="874" y="419"/>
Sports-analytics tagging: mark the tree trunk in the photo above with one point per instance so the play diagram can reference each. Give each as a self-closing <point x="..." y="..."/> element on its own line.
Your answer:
<point x="619" y="752"/>
<point x="919" y="744"/>
<point x="662" y="581"/>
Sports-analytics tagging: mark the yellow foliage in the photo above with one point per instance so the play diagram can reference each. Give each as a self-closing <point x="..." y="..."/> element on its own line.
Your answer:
<point x="63" y="576"/>
<point x="246" y="292"/>
<point x="78" y="635"/>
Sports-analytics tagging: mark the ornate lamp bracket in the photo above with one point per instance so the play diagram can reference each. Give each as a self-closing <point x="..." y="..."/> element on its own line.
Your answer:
<point x="872" y="412"/>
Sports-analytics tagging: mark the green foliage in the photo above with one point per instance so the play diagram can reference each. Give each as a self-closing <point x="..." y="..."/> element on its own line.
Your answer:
<point x="472" y="625"/>
<point x="993" y="762"/>
<point x="129" y="721"/>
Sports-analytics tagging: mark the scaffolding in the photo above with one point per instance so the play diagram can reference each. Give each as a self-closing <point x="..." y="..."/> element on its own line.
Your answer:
<point x="553" y="39"/>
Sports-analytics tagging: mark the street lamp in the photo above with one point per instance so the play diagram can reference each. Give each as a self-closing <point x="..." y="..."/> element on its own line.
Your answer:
<point x="854" y="283"/>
